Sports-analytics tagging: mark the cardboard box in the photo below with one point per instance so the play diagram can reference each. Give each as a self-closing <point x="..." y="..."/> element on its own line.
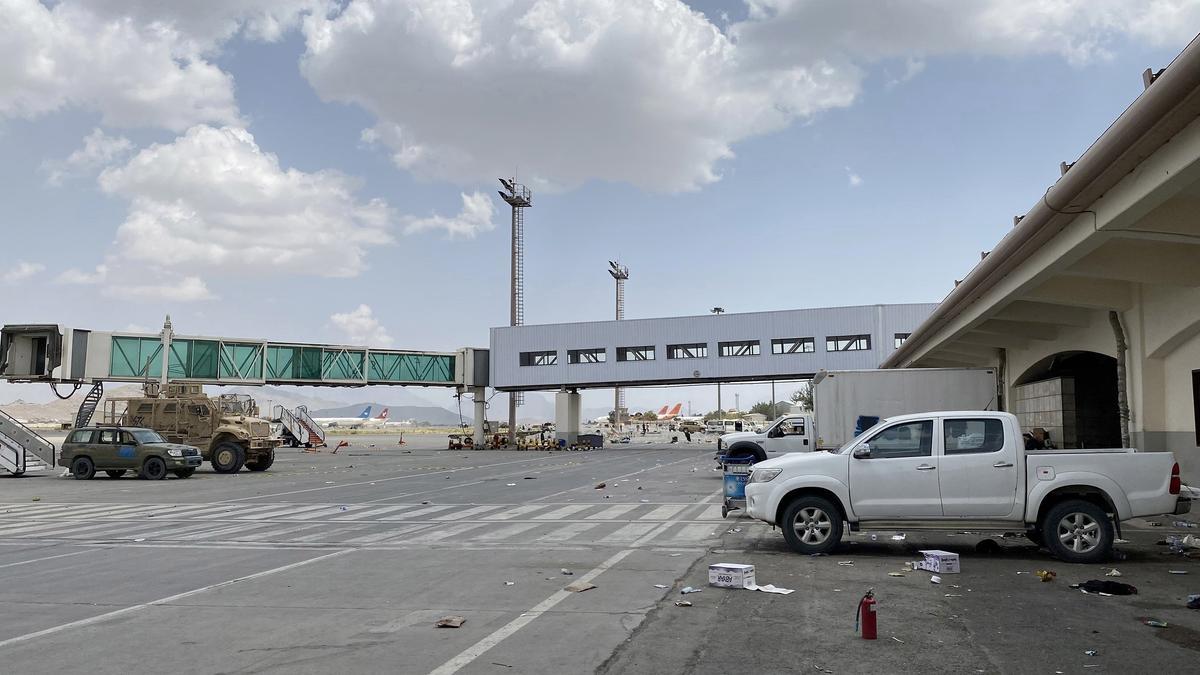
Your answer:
<point x="941" y="562"/>
<point x="731" y="575"/>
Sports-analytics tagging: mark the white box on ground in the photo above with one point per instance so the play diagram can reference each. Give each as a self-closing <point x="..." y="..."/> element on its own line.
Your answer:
<point x="731" y="575"/>
<point x="942" y="562"/>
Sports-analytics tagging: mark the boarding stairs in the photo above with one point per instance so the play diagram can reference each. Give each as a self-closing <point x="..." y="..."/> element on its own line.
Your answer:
<point x="88" y="408"/>
<point x="22" y="449"/>
<point x="300" y="425"/>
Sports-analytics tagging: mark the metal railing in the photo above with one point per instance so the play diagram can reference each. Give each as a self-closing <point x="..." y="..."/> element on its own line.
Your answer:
<point x="20" y="439"/>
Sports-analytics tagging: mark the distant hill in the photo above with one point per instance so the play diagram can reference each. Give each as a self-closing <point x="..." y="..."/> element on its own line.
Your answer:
<point x="398" y="413"/>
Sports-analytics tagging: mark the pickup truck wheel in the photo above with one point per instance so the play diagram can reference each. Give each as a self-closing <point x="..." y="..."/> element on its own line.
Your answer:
<point x="228" y="458"/>
<point x="1078" y="532"/>
<point x="812" y="525"/>
<point x="83" y="468"/>
<point x="153" y="469"/>
<point x="115" y="474"/>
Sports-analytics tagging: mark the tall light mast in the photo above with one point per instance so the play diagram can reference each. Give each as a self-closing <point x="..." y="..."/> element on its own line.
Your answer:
<point x="519" y="198"/>
<point x="620" y="273"/>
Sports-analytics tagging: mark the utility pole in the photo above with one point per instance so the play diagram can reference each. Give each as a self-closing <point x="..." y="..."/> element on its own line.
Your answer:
<point x="166" y="335"/>
<point x="620" y="274"/>
<point x="519" y="198"/>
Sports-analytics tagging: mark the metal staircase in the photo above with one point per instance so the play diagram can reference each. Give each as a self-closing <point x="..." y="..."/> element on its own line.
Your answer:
<point x="316" y="433"/>
<point x="21" y="448"/>
<point x="88" y="407"/>
<point x="302" y="427"/>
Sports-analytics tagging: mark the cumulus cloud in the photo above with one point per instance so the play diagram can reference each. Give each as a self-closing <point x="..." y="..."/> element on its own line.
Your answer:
<point x="212" y="22"/>
<point x="133" y="73"/>
<point x="74" y="276"/>
<point x="20" y="271"/>
<point x="475" y="217"/>
<point x="185" y="289"/>
<point x="852" y="177"/>
<point x="99" y="150"/>
<point x="360" y="327"/>
<point x="212" y="200"/>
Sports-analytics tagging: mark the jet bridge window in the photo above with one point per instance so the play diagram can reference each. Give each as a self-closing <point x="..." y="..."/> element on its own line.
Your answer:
<point x="900" y="338"/>
<point x="548" y="358"/>
<point x="847" y="343"/>
<point x="695" y="350"/>
<point x="740" y="348"/>
<point x="597" y="355"/>
<point x="636" y="353"/>
<point x="802" y="345"/>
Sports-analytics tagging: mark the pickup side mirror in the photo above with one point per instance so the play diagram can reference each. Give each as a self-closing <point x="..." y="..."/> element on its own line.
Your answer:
<point x="863" y="451"/>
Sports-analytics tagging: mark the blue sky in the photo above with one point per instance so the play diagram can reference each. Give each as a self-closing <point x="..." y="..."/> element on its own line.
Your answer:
<point x="901" y="155"/>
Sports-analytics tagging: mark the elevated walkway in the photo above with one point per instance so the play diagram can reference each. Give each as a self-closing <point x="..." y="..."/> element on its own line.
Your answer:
<point x="22" y="449"/>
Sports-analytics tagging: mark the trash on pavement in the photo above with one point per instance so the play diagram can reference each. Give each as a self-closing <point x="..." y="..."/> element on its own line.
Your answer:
<point x="451" y="621"/>
<point x="1106" y="587"/>
<point x="770" y="588"/>
<point x="1193" y="601"/>
<point x="510" y="484"/>
<point x="566" y="571"/>
<point x="530" y="478"/>
<point x="942" y="562"/>
<point x="1091" y="652"/>
<point x="1046" y="575"/>
<point x="846" y="563"/>
<point x="579" y="587"/>
<point x="661" y="586"/>
<point x="935" y="579"/>
<point x="897" y="639"/>
<point x="1155" y="622"/>
<point x="510" y="583"/>
<point x="1177" y="571"/>
<point x="898" y="537"/>
<point x="1185" y="524"/>
<point x="895" y="574"/>
<point x="600" y="486"/>
<point x="1114" y="572"/>
<point x="688" y="589"/>
<point x="954" y="595"/>
<point x="682" y="603"/>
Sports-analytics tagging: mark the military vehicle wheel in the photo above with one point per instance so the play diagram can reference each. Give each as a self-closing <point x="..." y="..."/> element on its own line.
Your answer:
<point x="83" y="468"/>
<point x="115" y="474"/>
<point x="228" y="458"/>
<point x="263" y="462"/>
<point x="153" y="469"/>
<point x="184" y="473"/>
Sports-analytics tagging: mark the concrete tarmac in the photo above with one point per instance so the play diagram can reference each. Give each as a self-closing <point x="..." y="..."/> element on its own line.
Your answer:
<point x="343" y="563"/>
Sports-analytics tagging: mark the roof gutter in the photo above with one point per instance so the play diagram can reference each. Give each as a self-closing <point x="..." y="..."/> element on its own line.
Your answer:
<point x="1168" y="105"/>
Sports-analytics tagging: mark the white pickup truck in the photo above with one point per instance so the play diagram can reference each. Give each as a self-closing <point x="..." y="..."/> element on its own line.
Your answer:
<point x="963" y="470"/>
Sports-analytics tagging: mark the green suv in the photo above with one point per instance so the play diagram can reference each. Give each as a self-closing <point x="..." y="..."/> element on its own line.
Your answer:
<point x="116" y="450"/>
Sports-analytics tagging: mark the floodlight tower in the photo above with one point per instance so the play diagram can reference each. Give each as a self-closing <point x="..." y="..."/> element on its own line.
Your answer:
<point x="519" y="198"/>
<point x="620" y="273"/>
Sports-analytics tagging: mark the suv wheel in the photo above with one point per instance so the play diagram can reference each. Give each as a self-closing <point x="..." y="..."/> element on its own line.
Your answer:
<point x="263" y="462"/>
<point x="812" y="525"/>
<point x="115" y="473"/>
<point x="228" y="458"/>
<point x="1077" y="531"/>
<point x="83" y="468"/>
<point x="153" y="469"/>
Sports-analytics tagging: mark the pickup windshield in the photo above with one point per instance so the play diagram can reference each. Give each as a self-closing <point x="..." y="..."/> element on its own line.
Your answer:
<point x="147" y="436"/>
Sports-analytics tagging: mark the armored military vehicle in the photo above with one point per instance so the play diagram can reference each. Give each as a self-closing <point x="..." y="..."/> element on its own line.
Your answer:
<point x="227" y="428"/>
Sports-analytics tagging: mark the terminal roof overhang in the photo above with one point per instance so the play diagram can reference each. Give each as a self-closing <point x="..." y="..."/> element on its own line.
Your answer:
<point x="1122" y="214"/>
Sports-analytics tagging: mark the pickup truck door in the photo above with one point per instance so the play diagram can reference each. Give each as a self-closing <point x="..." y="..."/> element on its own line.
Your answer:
<point x="900" y="478"/>
<point x="978" y="467"/>
<point x="790" y="434"/>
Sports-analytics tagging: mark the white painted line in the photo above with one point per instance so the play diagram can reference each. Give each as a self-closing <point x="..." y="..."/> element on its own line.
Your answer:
<point x="613" y="512"/>
<point x="220" y="531"/>
<point x="507" y="531"/>
<point x="313" y="514"/>
<point x="613" y="480"/>
<point x="325" y="534"/>
<point x="273" y="535"/>
<point x="664" y="512"/>
<point x="710" y="513"/>
<point x="443" y="532"/>
<point x="519" y="511"/>
<point x="567" y="532"/>
<point x="559" y="514"/>
<point x="364" y="515"/>
<point x="628" y="533"/>
<point x="276" y="511"/>
<point x="463" y="515"/>
<point x="693" y="533"/>
<point x="162" y="601"/>
<point x="419" y="512"/>
<point x="49" y="557"/>
<point x="388" y="534"/>
<point x="476" y="650"/>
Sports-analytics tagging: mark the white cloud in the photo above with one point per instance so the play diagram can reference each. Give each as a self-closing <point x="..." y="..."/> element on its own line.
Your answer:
<point x="912" y="68"/>
<point x="211" y="22"/>
<point x="361" y="327"/>
<point x="213" y="201"/>
<point x="20" y="271"/>
<point x="185" y="289"/>
<point x="853" y="178"/>
<point x="475" y="217"/>
<point x="133" y="73"/>
<point x="652" y="93"/>
<point x="74" y="276"/>
<point x="99" y="150"/>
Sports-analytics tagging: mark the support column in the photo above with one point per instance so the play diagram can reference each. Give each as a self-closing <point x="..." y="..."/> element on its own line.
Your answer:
<point x="566" y="416"/>
<point x="479" y="394"/>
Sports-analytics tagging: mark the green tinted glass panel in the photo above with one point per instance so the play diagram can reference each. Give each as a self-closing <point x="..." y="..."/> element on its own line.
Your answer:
<point x="337" y="364"/>
<point x="135" y="357"/>
<point x="194" y="359"/>
<point x="385" y="367"/>
<point x="310" y="363"/>
<point x="241" y="361"/>
<point x="283" y="363"/>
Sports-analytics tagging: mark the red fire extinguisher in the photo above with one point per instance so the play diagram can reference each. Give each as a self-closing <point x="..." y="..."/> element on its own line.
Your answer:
<point x="866" y="610"/>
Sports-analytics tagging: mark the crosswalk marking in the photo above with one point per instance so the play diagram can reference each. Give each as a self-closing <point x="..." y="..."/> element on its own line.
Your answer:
<point x="711" y="513"/>
<point x="628" y="533"/>
<point x="559" y="514"/>
<point x="507" y="531"/>
<point x="463" y="515"/>
<point x="444" y="533"/>
<point x="277" y="533"/>
<point x="384" y="535"/>
<point x="665" y="512"/>
<point x="360" y="515"/>
<point x="568" y="531"/>
<point x="693" y="533"/>
<point x="519" y="511"/>
<point x="613" y="512"/>
<point x="419" y="512"/>
<point x="327" y="534"/>
<point x="221" y="531"/>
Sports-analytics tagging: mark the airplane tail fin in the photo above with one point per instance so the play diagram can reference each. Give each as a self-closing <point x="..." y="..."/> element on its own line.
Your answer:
<point x="663" y="411"/>
<point x="675" y="411"/>
<point x="365" y="414"/>
<point x="383" y="415"/>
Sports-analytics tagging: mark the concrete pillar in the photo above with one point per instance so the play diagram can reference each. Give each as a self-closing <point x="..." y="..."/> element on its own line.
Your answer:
<point x="566" y="416"/>
<point x="479" y="394"/>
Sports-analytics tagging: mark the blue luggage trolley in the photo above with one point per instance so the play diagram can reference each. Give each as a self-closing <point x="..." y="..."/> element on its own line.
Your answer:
<point x="737" y="473"/>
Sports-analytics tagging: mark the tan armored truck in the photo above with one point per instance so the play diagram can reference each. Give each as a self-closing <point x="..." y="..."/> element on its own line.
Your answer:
<point x="227" y="429"/>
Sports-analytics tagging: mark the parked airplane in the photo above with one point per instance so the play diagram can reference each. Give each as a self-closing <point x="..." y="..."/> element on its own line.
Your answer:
<point x="670" y="413"/>
<point x="380" y="421"/>
<point x="351" y="422"/>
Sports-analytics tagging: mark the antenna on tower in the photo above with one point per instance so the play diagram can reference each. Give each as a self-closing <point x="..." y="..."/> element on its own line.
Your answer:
<point x="519" y="198"/>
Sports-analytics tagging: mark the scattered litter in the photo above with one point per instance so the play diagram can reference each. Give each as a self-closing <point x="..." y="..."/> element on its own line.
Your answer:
<point x="1114" y="572"/>
<point x="1049" y="575"/>
<point x="1155" y="623"/>
<point x="1177" y="571"/>
<point x="425" y="502"/>
<point x="897" y="639"/>
<point x="506" y="484"/>
<point x="639" y="487"/>
<point x="688" y="589"/>
<point x="644" y="501"/>
<point x="503" y="665"/>
<point x="661" y="586"/>
<point x="682" y="603"/>
<point x="1106" y="587"/>
<point x="675" y="555"/>
<point x="898" y="537"/>
<point x="837" y="590"/>
<point x="1154" y="524"/>
<point x="1193" y="601"/>
<point x="935" y="579"/>
<point x="1022" y="572"/>
<point x="874" y="537"/>
<point x="579" y="587"/>
<point x="769" y="588"/>
<point x="732" y="530"/>
<point x="953" y="595"/>
<point x="329" y="482"/>
<point x="343" y="507"/>
<point x="601" y="486"/>
<point x="450" y="621"/>
<point x="895" y="574"/>
<point x="36" y="499"/>
<point x="846" y="563"/>
<point x="510" y="583"/>
<point x="1184" y="523"/>
<point x="941" y="562"/>
<point x="819" y="669"/>
<point x="140" y="539"/>
<point x="566" y="571"/>
<point x="530" y="478"/>
<point x="1120" y="541"/>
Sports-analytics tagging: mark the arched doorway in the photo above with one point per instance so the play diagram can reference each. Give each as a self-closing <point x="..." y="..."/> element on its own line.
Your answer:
<point x="1073" y="395"/>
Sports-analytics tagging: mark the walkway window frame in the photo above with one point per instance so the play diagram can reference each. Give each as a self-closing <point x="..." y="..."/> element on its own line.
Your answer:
<point x="640" y="353"/>
<point x="848" y="343"/>
<point x="547" y="357"/>
<point x="691" y="350"/>
<point x="798" y="345"/>
<point x="735" y="348"/>
<point x="585" y="356"/>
